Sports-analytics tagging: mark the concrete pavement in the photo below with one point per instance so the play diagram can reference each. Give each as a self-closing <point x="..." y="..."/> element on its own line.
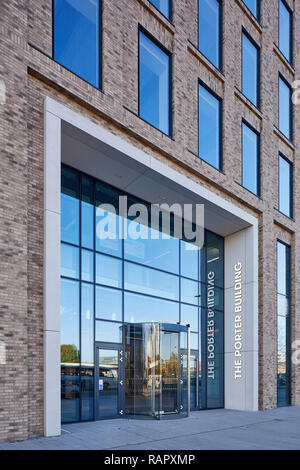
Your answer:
<point x="207" y="430"/>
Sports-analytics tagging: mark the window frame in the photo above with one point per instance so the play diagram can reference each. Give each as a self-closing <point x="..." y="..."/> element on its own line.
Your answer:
<point x="291" y="38"/>
<point x="100" y="39"/>
<point x="291" y="111"/>
<point x="291" y="186"/>
<point x="221" y="16"/>
<point x="220" y="100"/>
<point x="258" y="149"/>
<point x="146" y="33"/>
<point x="258" y="60"/>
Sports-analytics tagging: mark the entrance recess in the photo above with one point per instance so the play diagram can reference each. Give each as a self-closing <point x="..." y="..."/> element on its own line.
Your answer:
<point x="109" y="381"/>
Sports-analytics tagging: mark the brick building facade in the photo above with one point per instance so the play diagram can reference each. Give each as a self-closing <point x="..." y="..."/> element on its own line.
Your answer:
<point x="30" y="75"/>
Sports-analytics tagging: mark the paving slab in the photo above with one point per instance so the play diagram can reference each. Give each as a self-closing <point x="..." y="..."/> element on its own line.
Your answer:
<point x="208" y="430"/>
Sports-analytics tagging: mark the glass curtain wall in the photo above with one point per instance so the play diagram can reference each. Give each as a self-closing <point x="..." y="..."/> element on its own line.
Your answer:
<point x="110" y="282"/>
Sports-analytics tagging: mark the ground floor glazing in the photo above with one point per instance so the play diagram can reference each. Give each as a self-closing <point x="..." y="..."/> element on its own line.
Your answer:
<point x="110" y="285"/>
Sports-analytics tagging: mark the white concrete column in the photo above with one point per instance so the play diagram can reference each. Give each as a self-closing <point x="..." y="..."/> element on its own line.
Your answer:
<point x="52" y="184"/>
<point x="241" y="320"/>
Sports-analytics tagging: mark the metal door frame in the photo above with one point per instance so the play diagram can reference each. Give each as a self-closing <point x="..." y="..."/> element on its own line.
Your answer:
<point x="179" y="374"/>
<point x="195" y="352"/>
<point x="121" y="374"/>
<point x="168" y="328"/>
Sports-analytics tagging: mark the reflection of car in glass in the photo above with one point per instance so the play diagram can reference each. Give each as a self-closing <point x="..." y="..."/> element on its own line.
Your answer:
<point x="70" y="387"/>
<point x="282" y="380"/>
<point x="109" y="377"/>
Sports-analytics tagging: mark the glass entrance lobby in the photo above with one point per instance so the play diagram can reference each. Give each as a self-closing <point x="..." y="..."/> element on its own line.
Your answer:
<point x="125" y="307"/>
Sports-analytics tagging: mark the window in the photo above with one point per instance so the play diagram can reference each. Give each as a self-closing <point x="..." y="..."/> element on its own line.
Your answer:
<point x="154" y="84"/>
<point x="250" y="69"/>
<point x="209" y="127"/>
<point x="285" y="186"/>
<point x="285" y="30"/>
<point x="250" y="164"/>
<point x="254" y="7"/>
<point x="285" y="109"/>
<point x="76" y="43"/>
<point x="210" y="30"/>
<point x="283" y="323"/>
<point x="164" y="6"/>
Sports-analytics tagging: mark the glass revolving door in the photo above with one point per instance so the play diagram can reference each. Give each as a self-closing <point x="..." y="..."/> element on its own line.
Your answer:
<point x="157" y="370"/>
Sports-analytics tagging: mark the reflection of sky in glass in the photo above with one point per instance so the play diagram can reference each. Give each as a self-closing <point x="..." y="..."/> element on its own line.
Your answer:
<point x="282" y="305"/>
<point x="281" y="335"/>
<point x="281" y="268"/>
<point x="284" y="108"/>
<point x="157" y="253"/>
<point x="107" y="233"/>
<point x="69" y="312"/>
<point x="250" y="156"/>
<point x="151" y="282"/>
<point x="139" y="308"/>
<point x="87" y="225"/>
<point x="189" y="260"/>
<point x="108" y="332"/>
<point x="76" y="37"/>
<point x="87" y="324"/>
<point x="154" y="84"/>
<point x="209" y="127"/>
<point x="189" y="291"/>
<point x="163" y="6"/>
<point x="108" y="271"/>
<point x="108" y="304"/>
<point x="252" y="5"/>
<point x="284" y="186"/>
<point x="189" y="315"/>
<point x="69" y="261"/>
<point x="250" y="71"/>
<point x="87" y="265"/>
<point x="284" y="31"/>
<point x="209" y="29"/>
<point x="69" y="219"/>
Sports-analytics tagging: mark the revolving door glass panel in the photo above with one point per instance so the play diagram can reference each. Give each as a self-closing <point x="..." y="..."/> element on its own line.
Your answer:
<point x="155" y="377"/>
